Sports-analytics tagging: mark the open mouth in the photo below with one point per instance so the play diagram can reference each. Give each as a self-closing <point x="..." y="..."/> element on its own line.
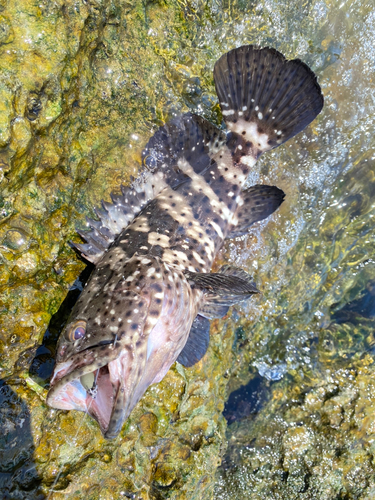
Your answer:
<point x="93" y="391"/>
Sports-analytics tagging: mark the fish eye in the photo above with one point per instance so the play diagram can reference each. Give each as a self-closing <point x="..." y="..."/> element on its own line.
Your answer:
<point x="78" y="331"/>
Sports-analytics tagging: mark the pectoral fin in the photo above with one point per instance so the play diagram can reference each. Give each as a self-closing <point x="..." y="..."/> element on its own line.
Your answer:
<point x="260" y="201"/>
<point x="223" y="289"/>
<point x="230" y="285"/>
<point x="197" y="342"/>
<point x="211" y="310"/>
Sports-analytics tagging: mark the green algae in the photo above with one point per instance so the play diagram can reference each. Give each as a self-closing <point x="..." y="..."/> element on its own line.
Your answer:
<point x="83" y="85"/>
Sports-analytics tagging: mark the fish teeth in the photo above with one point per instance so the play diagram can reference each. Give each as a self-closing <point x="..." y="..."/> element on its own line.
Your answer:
<point x="88" y="381"/>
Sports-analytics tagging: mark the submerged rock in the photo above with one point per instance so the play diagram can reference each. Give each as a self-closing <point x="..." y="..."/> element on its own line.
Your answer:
<point x="308" y="441"/>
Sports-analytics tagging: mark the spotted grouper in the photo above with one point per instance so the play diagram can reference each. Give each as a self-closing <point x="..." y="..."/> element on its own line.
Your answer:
<point x="151" y="295"/>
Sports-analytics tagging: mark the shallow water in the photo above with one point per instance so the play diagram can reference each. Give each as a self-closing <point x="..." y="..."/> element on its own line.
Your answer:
<point x="313" y="329"/>
<point x="83" y="86"/>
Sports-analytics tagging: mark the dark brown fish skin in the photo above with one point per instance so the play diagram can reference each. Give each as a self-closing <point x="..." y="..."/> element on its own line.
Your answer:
<point x="144" y="305"/>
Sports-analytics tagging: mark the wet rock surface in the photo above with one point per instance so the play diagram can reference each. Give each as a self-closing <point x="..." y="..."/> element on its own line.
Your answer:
<point x="83" y="85"/>
<point x="307" y="442"/>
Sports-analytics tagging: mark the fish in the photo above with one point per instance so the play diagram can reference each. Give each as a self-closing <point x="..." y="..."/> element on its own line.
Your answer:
<point x="151" y="295"/>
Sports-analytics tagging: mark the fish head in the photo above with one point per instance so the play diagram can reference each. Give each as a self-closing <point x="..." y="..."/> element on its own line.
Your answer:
<point x="123" y="334"/>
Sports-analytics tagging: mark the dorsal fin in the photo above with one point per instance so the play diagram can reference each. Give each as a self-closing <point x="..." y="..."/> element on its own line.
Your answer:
<point x="259" y="202"/>
<point x="112" y="219"/>
<point x="188" y="137"/>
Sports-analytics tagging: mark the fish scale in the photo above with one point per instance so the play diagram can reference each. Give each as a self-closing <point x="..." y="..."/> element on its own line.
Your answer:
<point x="150" y="298"/>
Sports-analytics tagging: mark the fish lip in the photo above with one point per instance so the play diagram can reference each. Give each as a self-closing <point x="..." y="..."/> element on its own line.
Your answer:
<point x="59" y="384"/>
<point x="88" y="350"/>
<point x="118" y="415"/>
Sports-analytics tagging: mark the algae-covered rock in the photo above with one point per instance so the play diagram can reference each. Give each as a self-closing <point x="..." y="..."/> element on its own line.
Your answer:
<point x="308" y="441"/>
<point x="83" y="85"/>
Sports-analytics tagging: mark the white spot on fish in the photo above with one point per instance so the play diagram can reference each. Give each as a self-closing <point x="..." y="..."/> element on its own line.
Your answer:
<point x="158" y="239"/>
<point x="198" y="258"/>
<point x="151" y="320"/>
<point x="252" y="134"/>
<point x="217" y="229"/>
<point x="150" y="272"/>
<point x="249" y="161"/>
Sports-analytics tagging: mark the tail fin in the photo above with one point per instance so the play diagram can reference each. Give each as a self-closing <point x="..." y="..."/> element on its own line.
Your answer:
<point x="264" y="97"/>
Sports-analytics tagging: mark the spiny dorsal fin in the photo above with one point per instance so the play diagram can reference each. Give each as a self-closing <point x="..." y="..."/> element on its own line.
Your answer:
<point x="259" y="202"/>
<point x="188" y="137"/>
<point x="112" y="219"/>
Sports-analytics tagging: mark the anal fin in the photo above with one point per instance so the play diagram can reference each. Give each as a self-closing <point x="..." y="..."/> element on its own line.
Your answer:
<point x="197" y="342"/>
<point x="260" y="201"/>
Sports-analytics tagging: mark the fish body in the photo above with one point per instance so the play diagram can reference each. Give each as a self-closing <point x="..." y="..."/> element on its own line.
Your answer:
<point x="150" y="298"/>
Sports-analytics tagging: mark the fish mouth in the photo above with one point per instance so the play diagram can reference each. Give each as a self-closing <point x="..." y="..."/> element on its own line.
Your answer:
<point x="93" y="388"/>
